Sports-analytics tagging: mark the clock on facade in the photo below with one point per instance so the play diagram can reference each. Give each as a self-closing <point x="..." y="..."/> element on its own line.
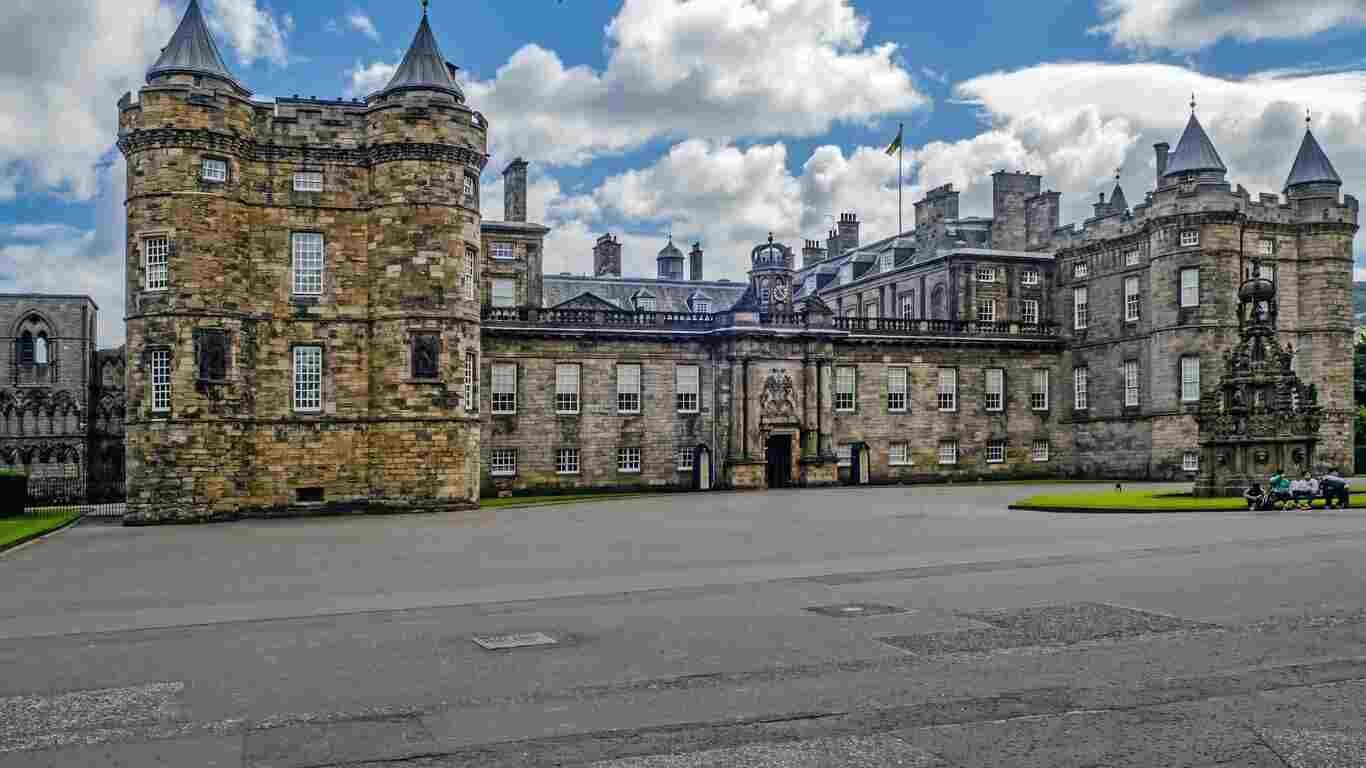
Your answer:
<point x="780" y="292"/>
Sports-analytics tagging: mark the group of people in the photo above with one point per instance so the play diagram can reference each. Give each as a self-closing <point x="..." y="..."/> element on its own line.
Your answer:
<point x="1301" y="492"/>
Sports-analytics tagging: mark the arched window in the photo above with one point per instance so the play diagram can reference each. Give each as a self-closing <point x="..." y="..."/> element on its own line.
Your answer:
<point x="40" y="349"/>
<point x="26" y="349"/>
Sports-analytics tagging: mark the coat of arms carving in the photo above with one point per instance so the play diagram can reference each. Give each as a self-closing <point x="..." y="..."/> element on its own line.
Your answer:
<point x="778" y="400"/>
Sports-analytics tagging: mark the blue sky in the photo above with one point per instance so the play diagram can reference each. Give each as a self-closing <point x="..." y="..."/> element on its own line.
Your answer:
<point x="719" y="120"/>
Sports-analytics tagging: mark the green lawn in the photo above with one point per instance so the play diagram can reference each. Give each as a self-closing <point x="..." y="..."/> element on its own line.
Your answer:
<point x="540" y="501"/>
<point x="1144" y="500"/>
<point x="14" y="529"/>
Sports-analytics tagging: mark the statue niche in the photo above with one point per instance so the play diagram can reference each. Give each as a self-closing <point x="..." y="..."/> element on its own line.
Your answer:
<point x="778" y="400"/>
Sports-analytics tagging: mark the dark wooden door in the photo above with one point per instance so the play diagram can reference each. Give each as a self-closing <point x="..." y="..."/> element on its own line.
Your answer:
<point x="779" y="461"/>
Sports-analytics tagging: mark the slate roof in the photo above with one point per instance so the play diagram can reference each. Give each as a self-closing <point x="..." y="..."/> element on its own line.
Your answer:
<point x="423" y="67"/>
<point x="1195" y="152"/>
<point x="192" y="50"/>
<point x="670" y="295"/>
<point x="1117" y="201"/>
<point x="1311" y="165"/>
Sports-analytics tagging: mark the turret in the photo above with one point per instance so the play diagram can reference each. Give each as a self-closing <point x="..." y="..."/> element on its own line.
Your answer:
<point x="514" y="191"/>
<point x="1195" y="158"/>
<point x="192" y="55"/>
<point x="695" y="262"/>
<point x="1313" y="182"/>
<point x="607" y="257"/>
<point x="670" y="261"/>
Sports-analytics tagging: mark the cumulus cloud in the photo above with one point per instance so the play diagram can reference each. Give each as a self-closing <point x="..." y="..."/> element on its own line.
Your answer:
<point x="251" y="30"/>
<point x="1189" y="25"/>
<point x="361" y="23"/>
<point x="706" y="69"/>
<point x="365" y="79"/>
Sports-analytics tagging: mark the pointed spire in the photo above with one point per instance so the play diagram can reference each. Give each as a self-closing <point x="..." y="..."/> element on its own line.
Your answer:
<point x="1195" y="152"/>
<point x="1117" y="201"/>
<point x="1311" y="164"/>
<point x="193" y="51"/>
<point x="423" y="67"/>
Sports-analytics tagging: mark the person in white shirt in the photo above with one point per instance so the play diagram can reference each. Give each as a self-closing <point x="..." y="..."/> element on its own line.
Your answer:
<point x="1304" y="490"/>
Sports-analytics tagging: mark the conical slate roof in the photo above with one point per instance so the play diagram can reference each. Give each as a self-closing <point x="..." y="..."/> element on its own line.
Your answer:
<point x="424" y="67"/>
<point x="1311" y="165"/>
<point x="192" y="50"/>
<point x="670" y="251"/>
<point x="1117" y="201"/>
<point x="1195" y="152"/>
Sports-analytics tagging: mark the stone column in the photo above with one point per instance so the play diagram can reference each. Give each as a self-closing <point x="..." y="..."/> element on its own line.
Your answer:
<point x="810" y="435"/>
<point x="744" y="401"/>
<point x="733" y="443"/>
<point x="823" y="406"/>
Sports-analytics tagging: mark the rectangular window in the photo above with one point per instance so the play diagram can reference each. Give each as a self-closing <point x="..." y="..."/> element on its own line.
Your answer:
<point x="687" y="387"/>
<point x="1029" y="277"/>
<point x="471" y="382"/>
<point x="505" y="388"/>
<point x="996" y="451"/>
<point x="986" y="311"/>
<point x="211" y="354"/>
<point x="1190" y="287"/>
<point x="214" y="170"/>
<point x="157" y="253"/>
<point x="504" y="292"/>
<point x="645" y="304"/>
<point x="503" y="462"/>
<point x="628" y="460"/>
<point x="996" y="389"/>
<point x="1080" y="315"/>
<point x="567" y="388"/>
<point x="1038" y="450"/>
<point x="701" y="306"/>
<point x="467" y="281"/>
<point x="308" y="181"/>
<point x="1190" y="379"/>
<point x="501" y="251"/>
<point x="948" y="451"/>
<point x="948" y="389"/>
<point x="844" y="388"/>
<point x="1080" y="270"/>
<point x="1131" y="299"/>
<point x="308" y="379"/>
<point x="1131" y="257"/>
<point x="897" y="389"/>
<point x="908" y="306"/>
<point x="685" y="458"/>
<point x="1080" y="381"/>
<point x="567" y="461"/>
<point x="1029" y="312"/>
<point x="308" y="263"/>
<point x="426" y="355"/>
<point x="1190" y="461"/>
<point x="888" y="260"/>
<point x="899" y="454"/>
<point x="845" y="451"/>
<point x="986" y="274"/>
<point x="628" y="389"/>
<point x="1266" y="247"/>
<point x="1130" y="383"/>
<point x="1038" y="395"/>
<point x="468" y="189"/>
<point x="161" y="380"/>
<point x="1190" y="237"/>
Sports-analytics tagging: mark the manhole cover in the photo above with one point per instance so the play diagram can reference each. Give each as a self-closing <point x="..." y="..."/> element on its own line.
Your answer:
<point x="855" y="610"/>
<point x="517" y="640"/>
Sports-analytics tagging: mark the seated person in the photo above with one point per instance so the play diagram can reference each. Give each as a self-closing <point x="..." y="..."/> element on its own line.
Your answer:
<point x="1280" y="489"/>
<point x="1255" y="496"/>
<point x="1304" y="490"/>
<point x="1335" y="490"/>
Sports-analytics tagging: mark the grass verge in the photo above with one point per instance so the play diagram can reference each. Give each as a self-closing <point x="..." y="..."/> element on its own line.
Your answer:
<point x="1142" y="501"/>
<point x="17" y="530"/>
<point x="544" y="501"/>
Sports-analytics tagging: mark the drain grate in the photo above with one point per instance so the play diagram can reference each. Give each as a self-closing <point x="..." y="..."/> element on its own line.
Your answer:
<point x="515" y="640"/>
<point x="856" y="610"/>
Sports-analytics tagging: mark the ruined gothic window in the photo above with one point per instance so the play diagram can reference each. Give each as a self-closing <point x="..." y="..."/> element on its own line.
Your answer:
<point x="426" y="356"/>
<point x="211" y="354"/>
<point x="26" y="349"/>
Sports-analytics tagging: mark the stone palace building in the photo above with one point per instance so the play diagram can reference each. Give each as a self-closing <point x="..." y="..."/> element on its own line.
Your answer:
<point x="318" y="317"/>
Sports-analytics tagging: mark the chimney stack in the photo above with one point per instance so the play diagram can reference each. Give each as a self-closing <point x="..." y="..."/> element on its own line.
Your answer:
<point x="832" y="243"/>
<point x="812" y="252"/>
<point x="1161" y="148"/>
<point x="607" y="257"/>
<point x="849" y="231"/>
<point x="514" y="191"/>
<point x="695" y="259"/>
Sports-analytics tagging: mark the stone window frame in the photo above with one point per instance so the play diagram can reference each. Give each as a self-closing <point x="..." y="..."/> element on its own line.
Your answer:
<point x="1027" y="317"/>
<point x="497" y="396"/>
<point x="200" y="349"/>
<point x="1182" y="381"/>
<point x="1000" y="393"/>
<point x="467" y="280"/>
<point x="471" y="383"/>
<point x="624" y="396"/>
<point x="948" y="451"/>
<point x="470" y="190"/>
<point x="413" y="336"/>
<point x="1081" y="308"/>
<point x="153" y="352"/>
<point x="898" y="394"/>
<point x="681" y="402"/>
<point x="701" y="306"/>
<point x="996" y="451"/>
<point x="899" y="447"/>
<point x="294" y="350"/>
<point x="1190" y="461"/>
<point x="1133" y="302"/>
<point x="907" y="302"/>
<point x="1039" y="399"/>
<point x="1137" y="389"/>
<point x="1030" y="277"/>
<point x="567" y="461"/>
<point x="984" y="274"/>
<point x="685" y="458"/>
<point x="1182" y="287"/>
<point x="986" y="311"/>
<point x="204" y="161"/>
<point x="1190" y="238"/>
<point x="887" y="261"/>
<point x="949" y="396"/>
<point x="1081" y="386"/>
<point x="1266" y="246"/>
<point x="296" y="272"/>
<point x="846" y="401"/>
<point x="563" y="405"/>
<point x="494" y="282"/>
<point x="145" y="239"/>
<point x="1039" y="450"/>
<point x="509" y="468"/>
<point x="495" y="249"/>
<point x="646" y="303"/>
<point x="844" y="453"/>
<point x="630" y="459"/>
<point x="306" y="175"/>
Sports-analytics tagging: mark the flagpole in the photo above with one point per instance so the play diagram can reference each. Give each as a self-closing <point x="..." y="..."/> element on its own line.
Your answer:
<point x="899" y="144"/>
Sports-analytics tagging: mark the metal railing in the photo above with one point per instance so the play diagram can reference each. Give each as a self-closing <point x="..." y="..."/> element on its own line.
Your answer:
<point x="598" y="318"/>
<point x="925" y="327"/>
<point x="103" y="499"/>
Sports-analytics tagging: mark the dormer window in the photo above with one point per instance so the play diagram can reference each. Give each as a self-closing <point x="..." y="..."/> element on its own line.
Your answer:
<point x="701" y="306"/>
<point x="645" y="304"/>
<point x="888" y="261"/>
<point x="1080" y="270"/>
<point x="214" y="170"/>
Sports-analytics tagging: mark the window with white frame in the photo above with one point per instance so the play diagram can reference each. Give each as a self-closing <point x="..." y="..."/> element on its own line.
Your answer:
<point x="628" y="460"/>
<point x="308" y="263"/>
<point x="908" y="306"/>
<point x="308" y="379"/>
<point x="1130" y="383"/>
<point x="505" y="388"/>
<point x="1038" y="450"/>
<point x="685" y="458"/>
<point x="308" y="181"/>
<point x="701" y="306"/>
<point x="567" y="461"/>
<point x="986" y="274"/>
<point x="567" y="388"/>
<point x="503" y="462"/>
<point x="467" y="281"/>
<point x="471" y="382"/>
<point x="468" y="188"/>
<point x="1029" y="277"/>
<point x="996" y="451"/>
<point x="996" y="389"/>
<point x="845" y="452"/>
<point x="1190" y="461"/>
<point x="1080" y="270"/>
<point x="899" y="454"/>
<point x="161" y="380"/>
<point x="948" y="389"/>
<point x="628" y="388"/>
<point x="897" y="389"/>
<point x="844" y="388"/>
<point x="888" y="260"/>
<point x="1038" y="394"/>
<point x="504" y="292"/>
<point x="1080" y="310"/>
<point x="156" y="253"/>
<point x="948" y="451"/>
<point x="1190" y="379"/>
<point x="1266" y="246"/>
<point x="688" y="388"/>
<point x="1029" y="311"/>
<point x="501" y="251"/>
<point x="1131" y="299"/>
<point x="1190" y="237"/>
<point x="645" y="304"/>
<point x="986" y="311"/>
<point x="1131" y="257"/>
<point x="1190" y="287"/>
<point x="1081" y="380"/>
<point x="214" y="169"/>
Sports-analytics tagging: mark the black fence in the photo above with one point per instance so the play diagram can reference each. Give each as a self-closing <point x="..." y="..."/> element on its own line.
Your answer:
<point x="94" y="498"/>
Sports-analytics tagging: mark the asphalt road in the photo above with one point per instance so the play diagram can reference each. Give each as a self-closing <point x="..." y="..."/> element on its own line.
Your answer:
<point x="871" y="627"/>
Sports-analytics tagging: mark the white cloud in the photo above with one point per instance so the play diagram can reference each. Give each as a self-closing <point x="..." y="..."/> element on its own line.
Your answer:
<point x="708" y="69"/>
<point x="366" y="79"/>
<point x="362" y="24"/>
<point x="251" y="30"/>
<point x="1189" y="25"/>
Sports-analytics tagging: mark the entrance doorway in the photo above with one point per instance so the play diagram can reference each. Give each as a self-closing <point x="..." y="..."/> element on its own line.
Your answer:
<point x="702" y="468"/>
<point x="779" y="472"/>
<point x="860" y="461"/>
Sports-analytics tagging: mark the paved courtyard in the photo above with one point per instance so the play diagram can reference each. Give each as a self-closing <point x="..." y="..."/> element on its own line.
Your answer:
<point x="871" y="627"/>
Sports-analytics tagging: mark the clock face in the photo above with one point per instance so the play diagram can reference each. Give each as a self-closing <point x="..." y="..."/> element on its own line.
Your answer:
<point x="780" y="292"/>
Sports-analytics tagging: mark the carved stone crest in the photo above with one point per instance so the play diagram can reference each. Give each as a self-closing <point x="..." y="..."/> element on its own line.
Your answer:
<point x="777" y="401"/>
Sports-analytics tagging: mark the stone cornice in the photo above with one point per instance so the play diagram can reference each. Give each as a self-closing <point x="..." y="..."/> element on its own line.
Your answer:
<point x="249" y="149"/>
